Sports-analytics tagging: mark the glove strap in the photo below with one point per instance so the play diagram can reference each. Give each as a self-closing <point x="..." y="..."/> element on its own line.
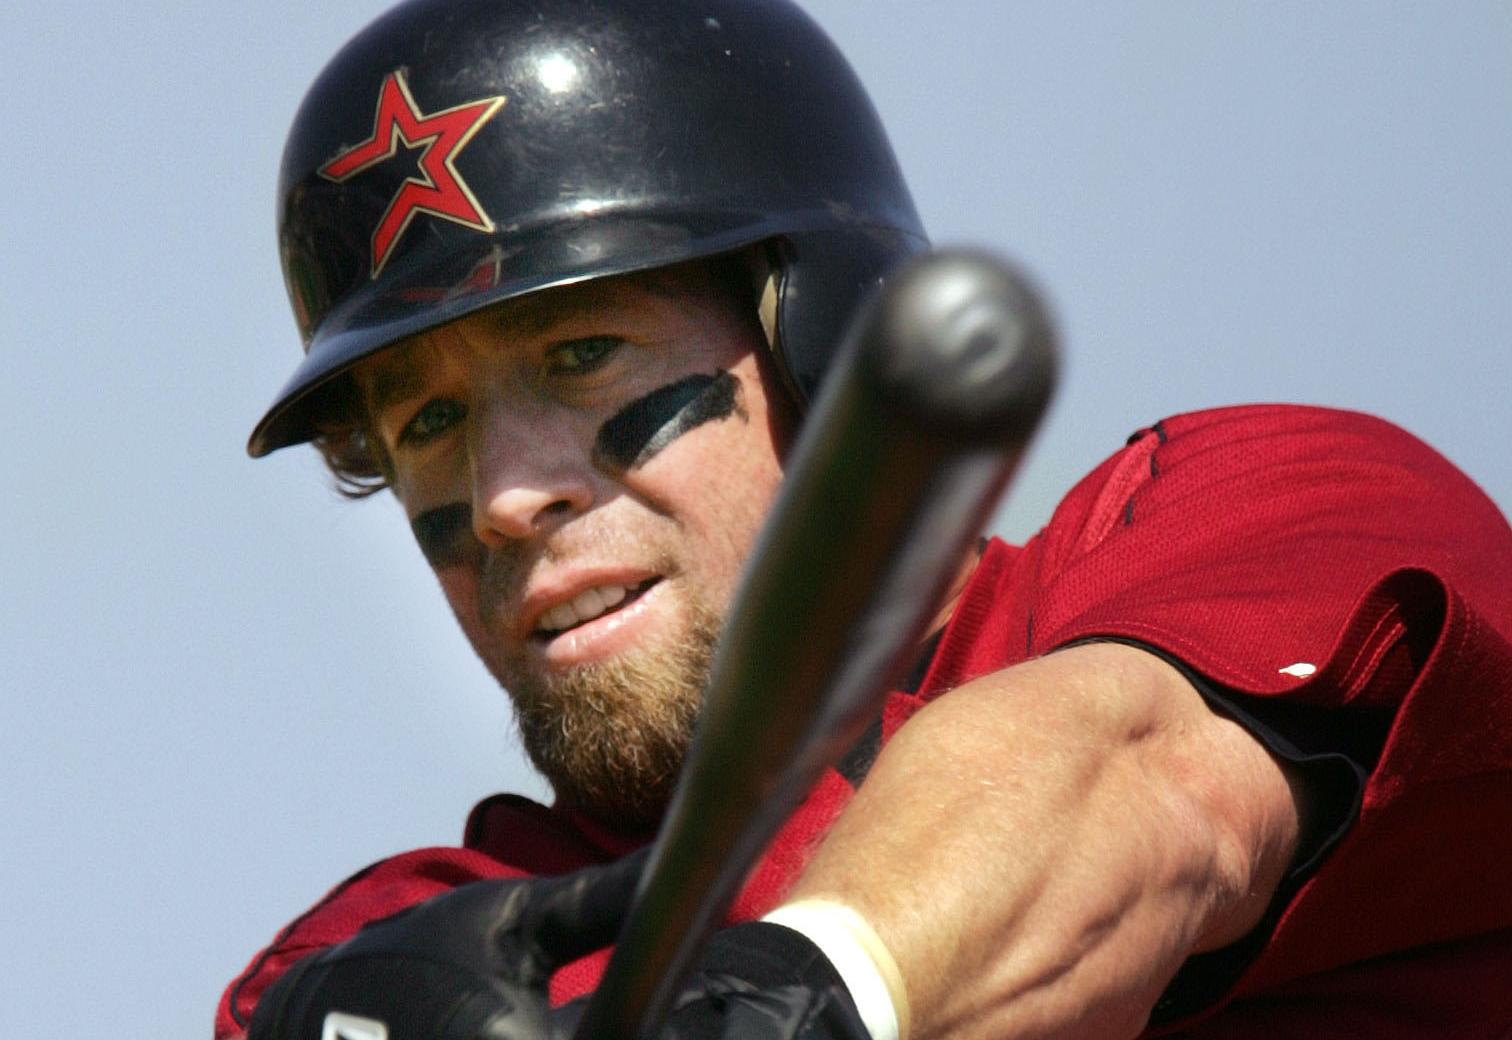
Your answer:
<point x="860" y="958"/>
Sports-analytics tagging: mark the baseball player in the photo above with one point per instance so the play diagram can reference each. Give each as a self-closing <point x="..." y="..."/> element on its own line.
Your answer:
<point x="1224" y="751"/>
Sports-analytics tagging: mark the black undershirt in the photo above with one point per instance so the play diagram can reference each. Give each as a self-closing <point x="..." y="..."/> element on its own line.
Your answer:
<point x="1330" y="752"/>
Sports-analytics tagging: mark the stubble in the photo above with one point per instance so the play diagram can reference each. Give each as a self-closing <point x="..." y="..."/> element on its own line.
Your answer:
<point x="611" y="737"/>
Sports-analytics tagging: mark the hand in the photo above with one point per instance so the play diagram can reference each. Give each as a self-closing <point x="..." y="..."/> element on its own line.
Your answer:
<point x="473" y="964"/>
<point x="762" y="981"/>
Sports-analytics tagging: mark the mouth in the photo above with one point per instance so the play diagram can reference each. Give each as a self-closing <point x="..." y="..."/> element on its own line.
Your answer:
<point x="588" y="605"/>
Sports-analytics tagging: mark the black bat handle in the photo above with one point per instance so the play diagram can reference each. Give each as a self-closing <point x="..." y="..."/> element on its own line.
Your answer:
<point x="943" y="378"/>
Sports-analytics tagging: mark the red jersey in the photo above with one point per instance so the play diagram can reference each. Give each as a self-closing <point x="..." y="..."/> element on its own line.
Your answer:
<point x="1324" y="564"/>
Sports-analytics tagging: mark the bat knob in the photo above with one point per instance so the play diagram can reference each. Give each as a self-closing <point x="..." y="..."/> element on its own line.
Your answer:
<point x="959" y="342"/>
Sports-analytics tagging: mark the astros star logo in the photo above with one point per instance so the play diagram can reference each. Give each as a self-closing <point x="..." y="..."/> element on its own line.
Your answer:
<point x="437" y="189"/>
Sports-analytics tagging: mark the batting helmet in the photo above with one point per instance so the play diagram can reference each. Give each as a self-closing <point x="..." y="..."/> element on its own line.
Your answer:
<point x="457" y="153"/>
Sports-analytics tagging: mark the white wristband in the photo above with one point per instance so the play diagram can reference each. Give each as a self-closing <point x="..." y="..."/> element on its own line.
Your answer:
<point x="863" y="963"/>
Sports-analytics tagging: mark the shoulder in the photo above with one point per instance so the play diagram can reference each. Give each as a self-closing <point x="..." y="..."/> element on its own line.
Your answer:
<point x="1240" y="539"/>
<point x="1270" y="459"/>
<point x="1261" y="527"/>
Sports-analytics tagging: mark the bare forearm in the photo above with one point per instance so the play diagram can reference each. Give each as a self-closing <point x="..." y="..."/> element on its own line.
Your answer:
<point x="1042" y="848"/>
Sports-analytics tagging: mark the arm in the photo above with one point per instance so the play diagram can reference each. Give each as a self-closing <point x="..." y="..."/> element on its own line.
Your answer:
<point x="1043" y="847"/>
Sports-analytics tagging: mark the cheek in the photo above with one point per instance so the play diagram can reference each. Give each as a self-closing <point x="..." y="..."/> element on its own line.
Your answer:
<point x="443" y="533"/>
<point x="729" y="487"/>
<point x="747" y="475"/>
<point x="460" y="586"/>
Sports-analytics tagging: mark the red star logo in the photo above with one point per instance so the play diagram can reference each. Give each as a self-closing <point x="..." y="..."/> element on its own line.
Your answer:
<point x="438" y="189"/>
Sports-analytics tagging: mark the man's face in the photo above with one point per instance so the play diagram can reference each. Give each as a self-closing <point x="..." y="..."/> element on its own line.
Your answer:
<point x="586" y="469"/>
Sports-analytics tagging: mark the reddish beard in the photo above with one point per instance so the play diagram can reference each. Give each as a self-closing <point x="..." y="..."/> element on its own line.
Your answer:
<point x="611" y="737"/>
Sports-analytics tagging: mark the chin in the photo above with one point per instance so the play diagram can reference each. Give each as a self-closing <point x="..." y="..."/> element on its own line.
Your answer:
<point x="611" y="736"/>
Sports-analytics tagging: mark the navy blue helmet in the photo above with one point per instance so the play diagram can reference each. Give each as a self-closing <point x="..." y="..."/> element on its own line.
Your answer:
<point x="456" y="153"/>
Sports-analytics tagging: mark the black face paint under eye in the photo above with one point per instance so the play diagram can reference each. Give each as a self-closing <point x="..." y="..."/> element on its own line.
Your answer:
<point x="446" y="536"/>
<point x="635" y="434"/>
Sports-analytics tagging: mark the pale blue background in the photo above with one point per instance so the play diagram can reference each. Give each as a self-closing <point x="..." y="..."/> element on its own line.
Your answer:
<point x="226" y="689"/>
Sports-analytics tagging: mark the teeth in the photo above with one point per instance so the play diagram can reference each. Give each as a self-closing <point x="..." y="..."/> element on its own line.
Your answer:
<point x="585" y="606"/>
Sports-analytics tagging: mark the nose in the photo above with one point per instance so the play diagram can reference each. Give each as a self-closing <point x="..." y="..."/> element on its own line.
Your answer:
<point x="529" y="477"/>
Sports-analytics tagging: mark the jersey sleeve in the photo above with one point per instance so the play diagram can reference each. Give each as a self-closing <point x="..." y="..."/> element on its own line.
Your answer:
<point x="375" y="892"/>
<point x="1264" y="544"/>
<point x="506" y="836"/>
<point x="1340" y="581"/>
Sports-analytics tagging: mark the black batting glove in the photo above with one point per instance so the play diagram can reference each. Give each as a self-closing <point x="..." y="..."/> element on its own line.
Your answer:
<point x="473" y="964"/>
<point x="762" y="981"/>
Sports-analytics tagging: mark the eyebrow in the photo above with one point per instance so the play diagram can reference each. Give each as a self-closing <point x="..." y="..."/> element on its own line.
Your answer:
<point x="402" y="381"/>
<point x="394" y="383"/>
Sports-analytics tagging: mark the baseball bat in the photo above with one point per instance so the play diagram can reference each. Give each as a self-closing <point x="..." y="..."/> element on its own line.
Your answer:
<point x="941" y="382"/>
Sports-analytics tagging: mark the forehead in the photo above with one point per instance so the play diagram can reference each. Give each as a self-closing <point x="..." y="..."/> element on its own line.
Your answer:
<point x="643" y="301"/>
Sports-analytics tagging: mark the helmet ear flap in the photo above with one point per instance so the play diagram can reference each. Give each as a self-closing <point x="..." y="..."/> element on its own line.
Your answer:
<point x="822" y="279"/>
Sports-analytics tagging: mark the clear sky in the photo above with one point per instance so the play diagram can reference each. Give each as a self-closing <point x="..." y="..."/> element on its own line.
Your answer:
<point x="226" y="689"/>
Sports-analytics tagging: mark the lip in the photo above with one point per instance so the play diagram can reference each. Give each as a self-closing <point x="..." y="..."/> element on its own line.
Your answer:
<point x="608" y="635"/>
<point x="564" y="586"/>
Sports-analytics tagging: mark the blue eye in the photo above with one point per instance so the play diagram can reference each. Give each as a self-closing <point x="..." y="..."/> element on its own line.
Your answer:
<point x="432" y="419"/>
<point x="581" y="355"/>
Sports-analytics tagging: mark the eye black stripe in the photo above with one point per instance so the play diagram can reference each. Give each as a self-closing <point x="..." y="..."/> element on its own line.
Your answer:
<point x="445" y="535"/>
<point x="638" y="432"/>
